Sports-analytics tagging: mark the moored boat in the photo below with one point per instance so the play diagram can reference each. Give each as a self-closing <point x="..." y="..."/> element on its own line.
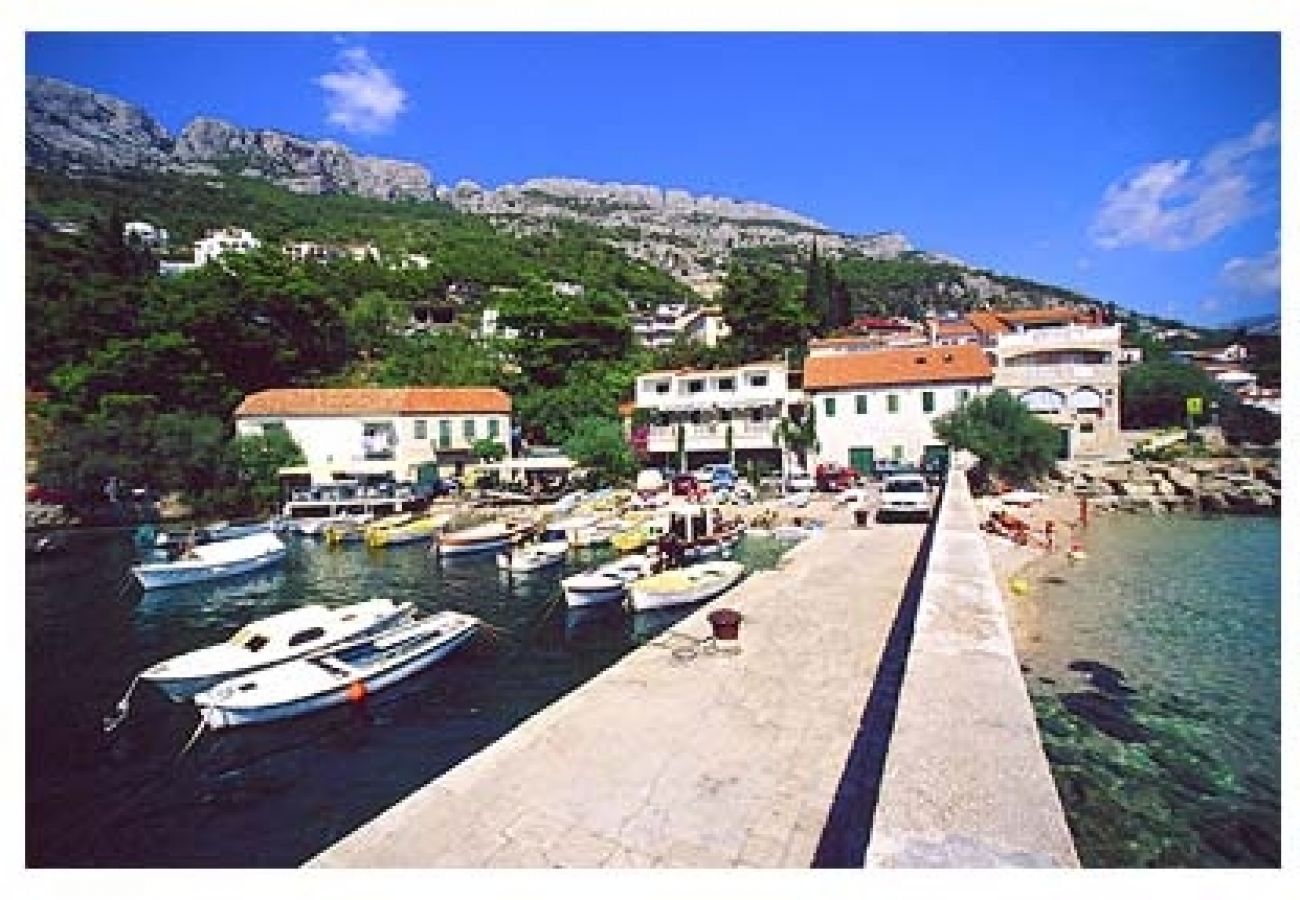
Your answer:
<point x="479" y="539"/>
<point x="219" y="559"/>
<point x="693" y="584"/>
<point x="607" y="583"/>
<point x="272" y="640"/>
<point x="532" y="557"/>
<point x="404" y="529"/>
<point x="344" y="674"/>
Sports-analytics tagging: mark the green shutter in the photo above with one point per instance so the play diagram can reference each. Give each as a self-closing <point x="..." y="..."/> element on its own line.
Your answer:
<point x="830" y="406"/>
<point x="861" y="401"/>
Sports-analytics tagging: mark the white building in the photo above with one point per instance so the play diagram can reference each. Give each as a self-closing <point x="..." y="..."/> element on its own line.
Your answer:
<point x="700" y="408"/>
<point x="393" y="432"/>
<point x="224" y="240"/>
<point x="145" y="234"/>
<point x="881" y="404"/>
<point x="704" y="326"/>
<point x="669" y="321"/>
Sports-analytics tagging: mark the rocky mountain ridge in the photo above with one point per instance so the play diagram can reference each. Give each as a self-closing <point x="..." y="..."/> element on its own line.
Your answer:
<point x="74" y="129"/>
<point x="687" y="235"/>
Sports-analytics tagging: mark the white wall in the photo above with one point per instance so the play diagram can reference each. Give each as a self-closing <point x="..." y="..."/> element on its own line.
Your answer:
<point x="879" y="429"/>
<point x="336" y="442"/>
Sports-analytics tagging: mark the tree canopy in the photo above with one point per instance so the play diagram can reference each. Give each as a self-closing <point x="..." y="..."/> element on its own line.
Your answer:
<point x="1010" y="441"/>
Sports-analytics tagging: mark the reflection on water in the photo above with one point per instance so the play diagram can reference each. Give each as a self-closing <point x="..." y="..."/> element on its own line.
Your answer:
<point x="1154" y="669"/>
<point x="275" y="795"/>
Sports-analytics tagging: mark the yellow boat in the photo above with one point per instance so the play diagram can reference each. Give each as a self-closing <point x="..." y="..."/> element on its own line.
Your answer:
<point x="404" y="529"/>
<point x="638" y="536"/>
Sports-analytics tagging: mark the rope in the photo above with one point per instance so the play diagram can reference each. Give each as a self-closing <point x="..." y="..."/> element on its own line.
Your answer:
<point x="120" y="711"/>
<point x="686" y="647"/>
<point x="203" y="724"/>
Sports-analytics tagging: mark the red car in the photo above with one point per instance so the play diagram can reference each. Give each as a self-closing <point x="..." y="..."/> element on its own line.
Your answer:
<point x="685" y="485"/>
<point x="39" y="494"/>
<point x="834" y="477"/>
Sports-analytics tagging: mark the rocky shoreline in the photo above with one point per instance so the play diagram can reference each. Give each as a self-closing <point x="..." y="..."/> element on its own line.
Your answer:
<point x="1247" y="486"/>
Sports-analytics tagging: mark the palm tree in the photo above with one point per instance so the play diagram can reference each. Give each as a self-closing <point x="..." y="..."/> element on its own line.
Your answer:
<point x="798" y="436"/>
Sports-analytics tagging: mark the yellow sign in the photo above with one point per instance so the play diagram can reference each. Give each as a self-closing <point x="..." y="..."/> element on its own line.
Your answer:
<point x="1193" y="406"/>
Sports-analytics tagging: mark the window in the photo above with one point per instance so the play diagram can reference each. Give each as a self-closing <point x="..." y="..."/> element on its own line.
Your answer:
<point x="494" y="429"/>
<point x="421" y="429"/>
<point x="892" y="403"/>
<point x="829" y="404"/>
<point x="695" y="386"/>
<point x="1086" y="427"/>
<point x="661" y="387"/>
<point x="468" y="427"/>
<point x="860" y="404"/>
<point x="270" y="428"/>
<point x="927" y="401"/>
<point x="896" y="452"/>
<point x="303" y="637"/>
<point x="962" y="396"/>
<point x="444" y="433"/>
<point x="726" y="384"/>
<point x="757" y="379"/>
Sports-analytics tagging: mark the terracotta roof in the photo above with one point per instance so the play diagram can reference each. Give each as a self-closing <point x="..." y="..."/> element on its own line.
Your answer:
<point x="903" y="365"/>
<point x="986" y="323"/>
<point x="955" y="328"/>
<point x="351" y="401"/>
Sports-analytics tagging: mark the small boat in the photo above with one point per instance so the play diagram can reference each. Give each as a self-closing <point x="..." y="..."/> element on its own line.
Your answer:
<point x="344" y="674"/>
<point x="479" y="539"/>
<point x="607" y="583"/>
<point x="693" y="584"/>
<point x="219" y="559"/>
<point x="404" y="529"/>
<point x="639" y="535"/>
<point x="172" y="544"/>
<point x="532" y="557"/>
<point x="565" y="529"/>
<point x="272" y="640"/>
<point x="348" y="529"/>
<point x="596" y="535"/>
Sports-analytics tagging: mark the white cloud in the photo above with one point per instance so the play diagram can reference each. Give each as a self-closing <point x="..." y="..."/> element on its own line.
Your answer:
<point x="1175" y="204"/>
<point x="360" y="97"/>
<point x="1254" y="276"/>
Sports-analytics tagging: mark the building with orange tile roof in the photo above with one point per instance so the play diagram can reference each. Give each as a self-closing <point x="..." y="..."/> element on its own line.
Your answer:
<point x="381" y="432"/>
<point x="881" y="404"/>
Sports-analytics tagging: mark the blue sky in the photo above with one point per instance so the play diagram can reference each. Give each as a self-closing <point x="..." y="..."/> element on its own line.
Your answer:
<point x="1138" y="168"/>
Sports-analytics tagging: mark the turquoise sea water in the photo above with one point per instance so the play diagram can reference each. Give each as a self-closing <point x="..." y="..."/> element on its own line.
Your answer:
<point x="1154" y="669"/>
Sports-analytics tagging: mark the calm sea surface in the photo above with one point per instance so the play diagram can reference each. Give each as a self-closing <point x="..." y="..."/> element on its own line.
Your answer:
<point x="1154" y="669"/>
<point x="275" y="795"/>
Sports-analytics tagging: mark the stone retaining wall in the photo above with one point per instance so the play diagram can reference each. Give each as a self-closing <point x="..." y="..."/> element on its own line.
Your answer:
<point x="966" y="782"/>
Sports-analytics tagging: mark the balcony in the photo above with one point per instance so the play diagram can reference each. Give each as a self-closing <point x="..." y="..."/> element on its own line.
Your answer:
<point x="1055" y="376"/>
<point x="1064" y="337"/>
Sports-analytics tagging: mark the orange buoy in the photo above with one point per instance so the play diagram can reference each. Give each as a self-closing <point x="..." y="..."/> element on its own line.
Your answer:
<point x="357" y="692"/>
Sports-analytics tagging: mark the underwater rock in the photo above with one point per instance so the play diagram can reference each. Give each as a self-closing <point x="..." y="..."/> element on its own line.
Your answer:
<point x="1107" y="714"/>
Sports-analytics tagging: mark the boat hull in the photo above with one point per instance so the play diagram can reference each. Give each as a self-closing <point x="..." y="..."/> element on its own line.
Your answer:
<point x="642" y="597"/>
<point x="578" y="597"/>
<point x="217" y="715"/>
<point x="164" y="575"/>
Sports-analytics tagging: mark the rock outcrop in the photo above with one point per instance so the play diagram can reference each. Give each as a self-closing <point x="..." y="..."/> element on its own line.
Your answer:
<point x="1224" y="485"/>
<point x="71" y="128"/>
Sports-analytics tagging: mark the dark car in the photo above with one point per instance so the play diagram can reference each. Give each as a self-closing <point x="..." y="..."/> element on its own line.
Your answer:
<point x="935" y="469"/>
<point x="685" y="485"/>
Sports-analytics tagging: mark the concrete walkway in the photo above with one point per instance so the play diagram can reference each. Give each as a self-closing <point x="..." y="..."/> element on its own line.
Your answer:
<point x="717" y="760"/>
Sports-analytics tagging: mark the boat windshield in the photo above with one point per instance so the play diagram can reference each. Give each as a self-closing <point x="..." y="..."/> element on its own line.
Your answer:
<point x="250" y="639"/>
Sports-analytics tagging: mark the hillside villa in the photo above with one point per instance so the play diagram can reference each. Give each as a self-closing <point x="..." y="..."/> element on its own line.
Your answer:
<point x="401" y="434"/>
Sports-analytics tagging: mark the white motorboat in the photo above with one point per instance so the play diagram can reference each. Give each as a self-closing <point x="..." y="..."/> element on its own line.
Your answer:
<point x="693" y="584"/>
<point x="219" y="559"/>
<point x="342" y="674"/>
<point x="607" y="583"/>
<point x="566" y="529"/>
<point x="532" y="557"/>
<point x="272" y="640"/>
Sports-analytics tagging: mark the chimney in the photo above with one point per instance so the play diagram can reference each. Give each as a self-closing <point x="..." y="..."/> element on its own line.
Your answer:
<point x="932" y="331"/>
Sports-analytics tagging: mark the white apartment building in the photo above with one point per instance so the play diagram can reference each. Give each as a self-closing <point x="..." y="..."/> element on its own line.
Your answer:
<point x="669" y="321"/>
<point x="392" y="432"/>
<point x="224" y="240"/>
<point x="881" y="404"/>
<point x="713" y="414"/>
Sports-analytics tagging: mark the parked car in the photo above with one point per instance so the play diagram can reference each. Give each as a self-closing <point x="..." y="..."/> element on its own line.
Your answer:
<point x="723" y="476"/>
<point x="904" y="496"/>
<point x="835" y="478"/>
<point x="685" y="485"/>
<point x="883" y="468"/>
